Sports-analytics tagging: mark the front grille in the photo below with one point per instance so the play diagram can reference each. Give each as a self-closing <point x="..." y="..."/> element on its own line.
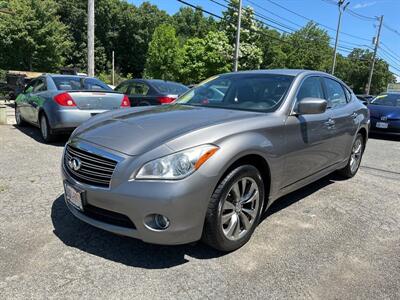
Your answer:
<point x="94" y="169"/>
<point x="107" y="216"/>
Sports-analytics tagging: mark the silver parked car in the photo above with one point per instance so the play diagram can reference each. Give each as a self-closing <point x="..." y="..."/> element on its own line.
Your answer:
<point x="208" y="165"/>
<point x="60" y="103"/>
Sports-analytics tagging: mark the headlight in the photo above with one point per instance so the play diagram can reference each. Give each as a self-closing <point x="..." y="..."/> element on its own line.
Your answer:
<point x="177" y="165"/>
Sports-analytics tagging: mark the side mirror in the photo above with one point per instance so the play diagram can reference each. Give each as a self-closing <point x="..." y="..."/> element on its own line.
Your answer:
<point x="311" y="106"/>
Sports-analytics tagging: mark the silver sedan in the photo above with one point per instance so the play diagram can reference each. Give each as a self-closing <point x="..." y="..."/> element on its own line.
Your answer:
<point x="208" y="165"/>
<point x="60" y="103"/>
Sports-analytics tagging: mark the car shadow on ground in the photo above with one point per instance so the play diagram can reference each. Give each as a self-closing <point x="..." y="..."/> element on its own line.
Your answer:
<point x="34" y="133"/>
<point x="132" y="252"/>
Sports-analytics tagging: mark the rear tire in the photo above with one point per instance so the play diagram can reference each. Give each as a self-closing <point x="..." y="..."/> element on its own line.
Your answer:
<point x="354" y="161"/>
<point x="234" y="209"/>
<point x="45" y="129"/>
<point x="18" y="118"/>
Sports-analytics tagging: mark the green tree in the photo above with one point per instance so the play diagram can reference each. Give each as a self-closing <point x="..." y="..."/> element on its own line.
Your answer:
<point x="354" y="70"/>
<point x="308" y="48"/>
<point x="33" y="38"/>
<point x="190" y="23"/>
<point x="250" y="55"/>
<point x="120" y="27"/>
<point x="164" y="55"/>
<point x="271" y="43"/>
<point x="206" y="57"/>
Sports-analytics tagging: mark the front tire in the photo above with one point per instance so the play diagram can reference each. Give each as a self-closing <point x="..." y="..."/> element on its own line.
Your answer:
<point x="234" y="209"/>
<point x="46" y="130"/>
<point x="354" y="161"/>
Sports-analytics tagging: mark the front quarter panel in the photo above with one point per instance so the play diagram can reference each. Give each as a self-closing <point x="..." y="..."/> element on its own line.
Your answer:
<point x="262" y="136"/>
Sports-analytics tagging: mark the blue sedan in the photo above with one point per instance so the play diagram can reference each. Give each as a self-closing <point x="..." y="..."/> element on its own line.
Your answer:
<point x="385" y="113"/>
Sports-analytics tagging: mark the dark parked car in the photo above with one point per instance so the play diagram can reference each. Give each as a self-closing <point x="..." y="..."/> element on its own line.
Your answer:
<point x="144" y="92"/>
<point x="385" y="113"/>
<point x="60" y="103"/>
<point x="365" y="99"/>
<point x="207" y="167"/>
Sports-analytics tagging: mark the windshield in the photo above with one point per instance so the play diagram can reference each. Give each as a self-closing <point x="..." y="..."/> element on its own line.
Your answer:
<point x="69" y="83"/>
<point x="387" y="100"/>
<point x="168" y="87"/>
<point x="253" y="92"/>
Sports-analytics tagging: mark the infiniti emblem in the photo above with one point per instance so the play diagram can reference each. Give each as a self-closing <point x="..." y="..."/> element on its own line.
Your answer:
<point x="383" y="118"/>
<point x="74" y="163"/>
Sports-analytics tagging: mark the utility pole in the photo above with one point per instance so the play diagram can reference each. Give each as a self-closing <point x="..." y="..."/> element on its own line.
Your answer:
<point x="113" y="68"/>
<point x="91" y="38"/>
<point x="237" y="45"/>
<point x="371" y="70"/>
<point x="340" y="3"/>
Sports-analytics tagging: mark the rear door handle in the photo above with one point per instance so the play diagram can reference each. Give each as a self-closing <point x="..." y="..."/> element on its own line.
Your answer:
<point x="330" y="123"/>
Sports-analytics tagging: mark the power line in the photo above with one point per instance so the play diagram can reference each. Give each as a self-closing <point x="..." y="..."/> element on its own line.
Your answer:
<point x="274" y="14"/>
<point x="352" y="12"/>
<point x="388" y="58"/>
<point x="263" y="18"/>
<point x="391" y="29"/>
<point x="342" y="48"/>
<point x="389" y="50"/>
<point x="311" y="20"/>
<point x="201" y="9"/>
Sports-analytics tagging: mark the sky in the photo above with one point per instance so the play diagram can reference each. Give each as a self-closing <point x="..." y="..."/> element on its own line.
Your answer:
<point x="356" y="31"/>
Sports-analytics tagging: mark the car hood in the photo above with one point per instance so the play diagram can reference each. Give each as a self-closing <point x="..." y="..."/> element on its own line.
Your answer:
<point x="378" y="111"/>
<point x="138" y="130"/>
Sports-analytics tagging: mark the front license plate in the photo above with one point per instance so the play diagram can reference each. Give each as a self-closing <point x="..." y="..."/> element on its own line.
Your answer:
<point x="381" y="125"/>
<point x="73" y="196"/>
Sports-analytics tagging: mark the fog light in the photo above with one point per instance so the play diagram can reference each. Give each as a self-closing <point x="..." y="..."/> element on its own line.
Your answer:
<point x="157" y="222"/>
<point x="161" y="221"/>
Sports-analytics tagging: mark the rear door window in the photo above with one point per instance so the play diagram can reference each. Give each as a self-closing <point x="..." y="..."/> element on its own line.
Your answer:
<point x="335" y="93"/>
<point x="122" y="88"/>
<point x="139" y="88"/>
<point x="167" y="87"/>
<point x="40" y="86"/>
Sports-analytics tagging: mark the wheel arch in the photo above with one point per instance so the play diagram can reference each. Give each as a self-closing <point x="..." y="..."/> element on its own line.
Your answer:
<point x="260" y="163"/>
<point x="364" y="134"/>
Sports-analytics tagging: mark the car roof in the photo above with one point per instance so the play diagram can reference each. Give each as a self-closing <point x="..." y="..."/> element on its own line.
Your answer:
<point x="67" y="76"/>
<point x="290" y="72"/>
<point x="152" y="80"/>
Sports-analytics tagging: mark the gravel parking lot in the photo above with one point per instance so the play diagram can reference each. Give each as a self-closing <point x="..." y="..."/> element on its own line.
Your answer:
<point x="332" y="239"/>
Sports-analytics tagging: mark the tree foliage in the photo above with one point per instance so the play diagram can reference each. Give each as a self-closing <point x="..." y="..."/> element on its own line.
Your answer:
<point x="203" y="58"/>
<point x="33" y="38"/>
<point x="164" y="55"/>
<point x="47" y="34"/>
<point x="191" y="23"/>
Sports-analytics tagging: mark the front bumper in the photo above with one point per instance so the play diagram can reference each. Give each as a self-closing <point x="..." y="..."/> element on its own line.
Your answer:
<point x="184" y="202"/>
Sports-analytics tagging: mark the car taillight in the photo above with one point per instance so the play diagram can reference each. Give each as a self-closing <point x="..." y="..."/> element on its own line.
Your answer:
<point x="125" y="102"/>
<point x="64" y="99"/>
<point x="165" y="100"/>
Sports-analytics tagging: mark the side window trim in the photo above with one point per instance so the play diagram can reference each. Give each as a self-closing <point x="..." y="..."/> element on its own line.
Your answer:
<point x="321" y="82"/>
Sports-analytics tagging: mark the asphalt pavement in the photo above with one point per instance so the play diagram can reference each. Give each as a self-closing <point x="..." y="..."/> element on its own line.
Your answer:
<point x="334" y="239"/>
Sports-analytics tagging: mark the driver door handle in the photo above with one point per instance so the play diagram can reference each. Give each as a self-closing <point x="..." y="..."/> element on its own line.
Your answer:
<point x="330" y="123"/>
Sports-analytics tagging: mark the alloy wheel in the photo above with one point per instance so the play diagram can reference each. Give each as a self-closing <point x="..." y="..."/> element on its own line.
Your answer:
<point x="43" y="127"/>
<point x="240" y="208"/>
<point x="356" y="153"/>
<point x="17" y="116"/>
